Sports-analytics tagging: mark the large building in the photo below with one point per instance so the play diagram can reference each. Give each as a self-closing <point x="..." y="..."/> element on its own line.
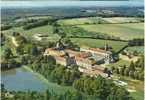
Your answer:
<point x="84" y="57"/>
<point x="68" y="57"/>
<point x="99" y="55"/>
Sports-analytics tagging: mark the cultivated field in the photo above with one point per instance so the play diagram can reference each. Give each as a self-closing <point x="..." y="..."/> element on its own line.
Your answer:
<point x="125" y="31"/>
<point x="136" y="86"/>
<point x="44" y="30"/>
<point x="94" y="43"/>
<point x="96" y="20"/>
<point x="81" y="21"/>
<point x="122" y="20"/>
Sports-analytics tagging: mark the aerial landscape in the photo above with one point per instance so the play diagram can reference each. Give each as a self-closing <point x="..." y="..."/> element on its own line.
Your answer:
<point x="78" y="50"/>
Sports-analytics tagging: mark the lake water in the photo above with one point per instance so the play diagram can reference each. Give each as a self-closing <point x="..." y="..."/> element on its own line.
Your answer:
<point x="24" y="80"/>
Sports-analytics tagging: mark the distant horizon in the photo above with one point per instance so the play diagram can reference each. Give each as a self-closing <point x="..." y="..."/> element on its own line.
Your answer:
<point x="70" y="3"/>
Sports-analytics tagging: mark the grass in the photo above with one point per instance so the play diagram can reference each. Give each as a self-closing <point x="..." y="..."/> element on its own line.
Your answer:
<point x="136" y="85"/>
<point x="78" y="21"/>
<point x="122" y="19"/>
<point x="2" y="50"/>
<point x="96" y="43"/>
<point x="125" y="31"/>
<point x="45" y="30"/>
<point x="119" y="63"/>
<point x="95" y="20"/>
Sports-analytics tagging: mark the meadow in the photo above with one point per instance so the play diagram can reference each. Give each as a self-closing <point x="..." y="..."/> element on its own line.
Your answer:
<point x="81" y="21"/>
<point x="44" y="30"/>
<point x="136" y="85"/>
<point x="96" y="43"/>
<point x="125" y="31"/>
<point x="95" y="20"/>
<point x="123" y="20"/>
<point x="126" y="28"/>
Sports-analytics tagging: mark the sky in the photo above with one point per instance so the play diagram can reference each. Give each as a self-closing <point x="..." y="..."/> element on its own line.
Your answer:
<point x="69" y="3"/>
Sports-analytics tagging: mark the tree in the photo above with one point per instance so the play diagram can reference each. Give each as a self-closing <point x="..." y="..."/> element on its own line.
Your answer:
<point x="136" y="75"/>
<point x="117" y="70"/>
<point x="20" y="50"/>
<point x="131" y="66"/>
<point x="119" y="93"/>
<point x="141" y="75"/>
<point x="51" y="60"/>
<point x="47" y="95"/>
<point x="3" y="92"/>
<point x="135" y="53"/>
<point x="7" y="53"/>
<point x="105" y="70"/>
<point x="122" y="71"/>
<point x="131" y="74"/>
<point x="126" y="72"/>
<point x="34" y="50"/>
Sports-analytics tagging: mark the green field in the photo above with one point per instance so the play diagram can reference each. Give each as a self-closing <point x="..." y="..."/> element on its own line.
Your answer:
<point x="119" y="63"/>
<point x="136" y="85"/>
<point x="95" y="20"/>
<point x="124" y="27"/>
<point x="81" y="21"/>
<point x="124" y="31"/>
<point x="96" y="43"/>
<point x="122" y="20"/>
<point x="44" y="30"/>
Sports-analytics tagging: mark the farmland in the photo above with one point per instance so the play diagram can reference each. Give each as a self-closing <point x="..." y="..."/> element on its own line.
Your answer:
<point x="135" y="85"/>
<point x="95" y="20"/>
<point x="123" y="27"/>
<point x="27" y="38"/>
<point x="44" y="30"/>
<point x="94" y="43"/>
<point x="81" y="21"/>
<point x="124" y="31"/>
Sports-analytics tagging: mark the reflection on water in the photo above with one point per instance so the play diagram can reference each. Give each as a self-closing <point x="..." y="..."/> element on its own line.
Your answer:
<point x="20" y="79"/>
<point x="9" y="72"/>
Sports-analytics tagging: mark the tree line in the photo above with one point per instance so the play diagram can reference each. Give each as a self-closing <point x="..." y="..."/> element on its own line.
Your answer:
<point x="136" y="42"/>
<point x="135" y="70"/>
<point x="34" y="95"/>
<point x="77" y="32"/>
<point x="5" y="27"/>
<point x="97" y="87"/>
<point x="35" y="24"/>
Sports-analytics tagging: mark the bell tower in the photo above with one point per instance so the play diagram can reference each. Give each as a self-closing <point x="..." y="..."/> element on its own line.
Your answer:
<point x="108" y="55"/>
<point x="106" y="47"/>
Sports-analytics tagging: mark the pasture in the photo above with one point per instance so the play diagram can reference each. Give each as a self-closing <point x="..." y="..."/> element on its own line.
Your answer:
<point x="122" y="20"/>
<point x="96" y="43"/>
<point x="96" y="20"/>
<point x="125" y="31"/>
<point x="81" y="21"/>
<point x="44" y="30"/>
<point x="136" y="85"/>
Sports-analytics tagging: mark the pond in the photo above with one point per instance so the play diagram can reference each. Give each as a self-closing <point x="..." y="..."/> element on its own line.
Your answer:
<point x="23" y="79"/>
